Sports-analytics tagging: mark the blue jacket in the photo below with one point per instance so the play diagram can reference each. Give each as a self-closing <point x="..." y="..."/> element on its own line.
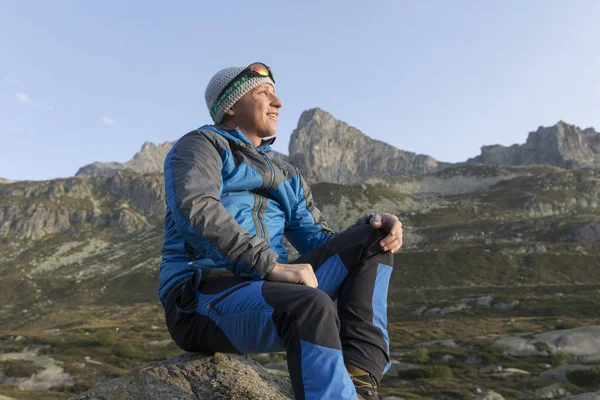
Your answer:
<point x="229" y="205"/>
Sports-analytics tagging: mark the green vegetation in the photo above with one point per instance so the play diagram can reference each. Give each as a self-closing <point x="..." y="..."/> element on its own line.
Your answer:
<point x="587" y="378"/>
<point x="420" y="355"/>
<point x="560" y="358"/>
<point x="19" y="368"/>
<point x="434" y="372"/>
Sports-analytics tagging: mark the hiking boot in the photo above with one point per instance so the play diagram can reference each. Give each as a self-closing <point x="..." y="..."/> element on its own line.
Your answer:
<point x="366" y="387"/>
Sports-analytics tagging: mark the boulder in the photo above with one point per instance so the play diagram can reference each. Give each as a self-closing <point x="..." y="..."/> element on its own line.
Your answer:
<point x="194" y="376"/>
<point x="584" y="396"/>
<point x="489" y="395"/>
<point x="517" y="346"/>
<point x="559" y="374"/>
<point x="551" y="392"/>
<point x="578" y="342"/>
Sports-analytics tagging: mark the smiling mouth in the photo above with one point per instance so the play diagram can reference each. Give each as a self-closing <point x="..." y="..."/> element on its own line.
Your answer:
<point x="272" y="115"/>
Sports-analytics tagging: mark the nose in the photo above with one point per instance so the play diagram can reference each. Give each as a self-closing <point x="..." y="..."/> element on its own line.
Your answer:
<point x="275" y="102"/>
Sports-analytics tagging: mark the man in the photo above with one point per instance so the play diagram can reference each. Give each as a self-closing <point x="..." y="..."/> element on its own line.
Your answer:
<point x="225" y="281"/>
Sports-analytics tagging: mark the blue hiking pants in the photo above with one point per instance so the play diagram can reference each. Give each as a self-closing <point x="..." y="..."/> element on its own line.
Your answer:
<point x="216" y="311"/>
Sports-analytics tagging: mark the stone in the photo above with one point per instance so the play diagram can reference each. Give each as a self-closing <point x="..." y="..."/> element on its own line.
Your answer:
<point x="517" y="346"/>
<point x="443" y="342"/>
<point x="474" y="360"/>
<point x="585" y="396"/>
<point x="479" y="302"/>
<point x="419" y="311"/>
<point x="506" y="306"/>
<point x="561" y="145"/>
<point x="432" y="312"/>
<point x="559" y="374"/>
<point x="488" y="395"/>
<point x="447" y="358"/>
<point x="194" y="376"/>
<point x="491" y="369"/>
<point x="328" y="150"/>
<point x="577" y="342"/>
<point x="399" y="366"/>
<point x="589" y="232"/>
<point x="551" y="392"/>
<point x="453" y="309"/>
<point x="510" y="373"/>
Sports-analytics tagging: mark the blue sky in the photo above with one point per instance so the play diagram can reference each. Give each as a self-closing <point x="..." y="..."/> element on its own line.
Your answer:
<point x="92" y="81"/>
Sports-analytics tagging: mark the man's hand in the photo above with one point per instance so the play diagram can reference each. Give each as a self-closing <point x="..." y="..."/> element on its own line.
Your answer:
<point x="302" y="274"/>
<point x="393" y="227"/>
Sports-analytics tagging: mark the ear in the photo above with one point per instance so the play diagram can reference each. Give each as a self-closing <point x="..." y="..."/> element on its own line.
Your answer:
<point x="229" y="112"/>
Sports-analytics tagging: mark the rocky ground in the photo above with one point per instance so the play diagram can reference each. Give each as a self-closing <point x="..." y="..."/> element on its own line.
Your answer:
<point x="521" y="343"/>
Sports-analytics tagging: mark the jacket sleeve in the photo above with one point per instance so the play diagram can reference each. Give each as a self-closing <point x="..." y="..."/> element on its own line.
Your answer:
<point x="193" y="194"/>
<point x="307" y="228"/>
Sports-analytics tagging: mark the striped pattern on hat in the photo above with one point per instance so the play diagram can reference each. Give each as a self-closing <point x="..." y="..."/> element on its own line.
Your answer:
<point x="218" y="106"/>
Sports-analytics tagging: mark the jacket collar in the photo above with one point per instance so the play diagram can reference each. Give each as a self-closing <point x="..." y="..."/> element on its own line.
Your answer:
<point x="236" y="135"/>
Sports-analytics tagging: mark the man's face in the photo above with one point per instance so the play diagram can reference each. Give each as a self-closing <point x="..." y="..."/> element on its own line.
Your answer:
<point x="257" y="111"/>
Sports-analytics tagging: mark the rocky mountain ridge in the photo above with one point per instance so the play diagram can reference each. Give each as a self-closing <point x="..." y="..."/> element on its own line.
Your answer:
<point x="561" y="145"/>
<point x="329" y="150"/>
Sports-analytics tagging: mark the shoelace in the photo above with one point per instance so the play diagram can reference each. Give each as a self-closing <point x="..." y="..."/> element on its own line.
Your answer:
<point x="370" y="386"/>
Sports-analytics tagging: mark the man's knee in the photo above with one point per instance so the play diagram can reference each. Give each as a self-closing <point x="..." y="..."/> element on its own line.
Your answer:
<point x="369" y="240"/>
<point x="315" y="307"/>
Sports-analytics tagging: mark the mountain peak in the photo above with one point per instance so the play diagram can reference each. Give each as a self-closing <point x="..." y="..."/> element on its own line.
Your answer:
<point x="563" y="145"/>
<point x="329" y="150"/>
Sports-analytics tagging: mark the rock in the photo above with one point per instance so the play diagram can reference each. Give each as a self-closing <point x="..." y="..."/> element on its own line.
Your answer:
<point x="150" y="158"/>
<point x="453" y="309"/>
<point x="52" y="332"/>
<point x="562" y="145"/>
<point x="537" y="248"/>
<point x="559" y="374"/>
<point x="447" y="358"/>
<point x="488" y="395"/>
<point x="491" y="369"/>
<point x="194" y="376"/>
<point x="328" y="150"/>
<point x="484" y="302"/>
<point x="551" y="392"/>
<point x="509" y="373"/>
<point x="585" y="396"/>
<point x="517" y="346"/>
<point x="473" y="360"/>
<point x="480" y="302"/>
<point x="506" y="306"/>
<point x="432" y="312"/>
<point x="419" y="311"/>
<point x="577" y="342"/>
<point x="399" y="366"/>
<point x="589" y="232"/>
<point x="445" y="342"/>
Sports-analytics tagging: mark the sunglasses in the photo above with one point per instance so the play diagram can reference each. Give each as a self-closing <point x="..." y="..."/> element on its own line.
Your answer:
<point x="255" y="69"/>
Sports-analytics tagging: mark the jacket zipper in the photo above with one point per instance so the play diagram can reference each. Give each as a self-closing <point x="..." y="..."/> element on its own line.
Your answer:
<point x="212" y="305"/>
<point x="272" y="171"/>
<point x="262" y="228"/>
<point x="258" y="218"/>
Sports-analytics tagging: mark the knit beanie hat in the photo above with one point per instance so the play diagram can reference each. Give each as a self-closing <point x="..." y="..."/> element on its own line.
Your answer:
<point x="218" y="106"/>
